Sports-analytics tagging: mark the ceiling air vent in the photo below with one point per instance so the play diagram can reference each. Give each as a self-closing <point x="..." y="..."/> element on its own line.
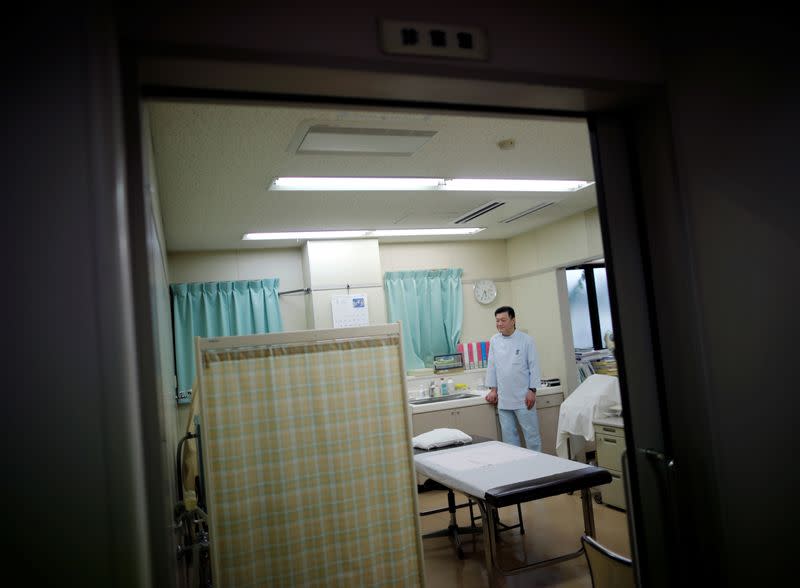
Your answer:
<point x="526" y="212"/>
<point x="480" y="211"/>
<point x="323" y="139"/>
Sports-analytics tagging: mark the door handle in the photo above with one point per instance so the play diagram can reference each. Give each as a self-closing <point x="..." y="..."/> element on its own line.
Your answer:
<point x="665" y="461"/>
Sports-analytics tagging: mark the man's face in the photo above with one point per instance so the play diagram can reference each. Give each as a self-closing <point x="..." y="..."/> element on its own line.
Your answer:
<point x="504" y="323"/>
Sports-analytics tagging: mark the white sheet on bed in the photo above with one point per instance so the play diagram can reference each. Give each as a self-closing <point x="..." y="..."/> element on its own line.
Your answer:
<point x="474" y="469"/>
<point x="597" y="397"/>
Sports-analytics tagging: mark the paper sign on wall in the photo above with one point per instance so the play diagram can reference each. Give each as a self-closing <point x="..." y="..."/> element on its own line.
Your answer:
<point x="350" y="310"/>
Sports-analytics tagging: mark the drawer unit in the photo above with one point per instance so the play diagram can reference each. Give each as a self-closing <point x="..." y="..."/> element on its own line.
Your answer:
<point x="609" y="450"/>
<point x="614" y="493"/>
<point x="609" y="437"/>
<point x="604" y="427"/>
<point x="548" y="400"/>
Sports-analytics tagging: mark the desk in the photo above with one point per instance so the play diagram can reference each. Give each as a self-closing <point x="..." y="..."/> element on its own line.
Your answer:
<point x="496" y="474"/>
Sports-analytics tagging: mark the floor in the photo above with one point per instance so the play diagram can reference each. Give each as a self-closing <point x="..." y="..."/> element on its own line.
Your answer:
<point x="553" y="526"/>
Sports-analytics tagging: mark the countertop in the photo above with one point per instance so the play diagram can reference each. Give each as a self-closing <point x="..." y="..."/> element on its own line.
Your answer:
<point x="480" y="398"/>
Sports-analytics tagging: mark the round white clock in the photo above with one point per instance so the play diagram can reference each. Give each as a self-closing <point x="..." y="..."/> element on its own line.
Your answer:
<point x="485" y="291"/>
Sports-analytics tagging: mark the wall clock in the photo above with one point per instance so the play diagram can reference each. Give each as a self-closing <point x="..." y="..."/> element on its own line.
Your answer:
<point x="485" y="291"/>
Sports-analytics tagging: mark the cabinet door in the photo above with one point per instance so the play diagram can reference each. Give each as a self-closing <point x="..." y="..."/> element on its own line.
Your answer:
<point x="547" y="408"/>
<point x="437" y="419"/>
<point x="609" y="451"/>
<point x="478" y="420"/>
<point x="548" y="428"/>
<point x="614" y="493"/>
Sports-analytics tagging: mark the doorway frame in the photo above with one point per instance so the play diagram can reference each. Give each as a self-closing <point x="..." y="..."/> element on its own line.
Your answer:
<point x="620" y="119"/>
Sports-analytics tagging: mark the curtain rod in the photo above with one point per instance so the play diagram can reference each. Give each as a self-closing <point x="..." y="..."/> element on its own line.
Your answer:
<point x="303" y="290"/>
<point x="346" y="287"/>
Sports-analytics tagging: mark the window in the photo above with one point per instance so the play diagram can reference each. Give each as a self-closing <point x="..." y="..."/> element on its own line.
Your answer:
<point x="589" y="306"/>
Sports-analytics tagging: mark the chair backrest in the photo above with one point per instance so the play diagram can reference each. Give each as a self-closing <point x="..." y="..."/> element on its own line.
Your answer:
<point x="608" y="569"/>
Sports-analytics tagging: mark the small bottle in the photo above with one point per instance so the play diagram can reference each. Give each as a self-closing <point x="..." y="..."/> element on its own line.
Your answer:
<point x="432" y="390"/>
<point x="443" y="386"/>
<point x="451" y="386"/>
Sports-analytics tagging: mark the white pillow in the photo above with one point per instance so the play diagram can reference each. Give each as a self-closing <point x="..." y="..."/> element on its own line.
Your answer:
<point x="441" y="438"/>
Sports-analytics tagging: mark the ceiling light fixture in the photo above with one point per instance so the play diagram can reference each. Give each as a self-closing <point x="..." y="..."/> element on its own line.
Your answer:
<point x="355" y="184"/>
<point x="322" y="139"/>
<point x="423" y="232"/>
<point x="502" y="185"/>
<point x="328" y="184"/>
<point x="359" y="234"/>
<point x="303" y="235"/>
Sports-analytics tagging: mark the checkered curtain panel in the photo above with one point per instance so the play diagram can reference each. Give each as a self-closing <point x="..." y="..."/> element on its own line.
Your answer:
<point x="308" y="465"/>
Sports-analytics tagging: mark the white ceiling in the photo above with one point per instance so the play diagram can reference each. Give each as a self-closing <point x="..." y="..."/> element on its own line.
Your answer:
<point x="214" y="162"/>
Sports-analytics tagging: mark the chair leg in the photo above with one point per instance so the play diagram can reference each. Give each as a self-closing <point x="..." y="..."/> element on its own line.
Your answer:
<point x="521" y="524"/>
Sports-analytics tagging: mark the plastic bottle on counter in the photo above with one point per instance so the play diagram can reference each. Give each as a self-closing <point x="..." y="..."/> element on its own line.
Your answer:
<point x="433" y="389"/>
<point x="451" y="386"/>
<point x="443" y="386"/>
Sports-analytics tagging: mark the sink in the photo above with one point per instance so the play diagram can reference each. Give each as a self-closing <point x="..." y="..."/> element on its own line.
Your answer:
<point x="443" y="398"/>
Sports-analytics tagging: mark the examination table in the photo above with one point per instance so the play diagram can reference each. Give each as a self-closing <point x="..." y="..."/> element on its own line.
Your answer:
<point x="495" y="475"/>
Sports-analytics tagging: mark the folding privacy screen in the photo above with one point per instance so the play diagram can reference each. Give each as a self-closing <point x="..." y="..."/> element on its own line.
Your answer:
<point x="307" y="459"/>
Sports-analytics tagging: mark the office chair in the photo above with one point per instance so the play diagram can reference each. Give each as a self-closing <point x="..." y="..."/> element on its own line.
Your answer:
<point x="608" y="569"/>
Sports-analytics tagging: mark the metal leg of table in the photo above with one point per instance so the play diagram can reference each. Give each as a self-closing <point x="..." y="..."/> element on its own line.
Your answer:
<point x="501" y="526"/>
<point x="588" y="511"/>
<point x="489" y="516"/>
<point x="489" y="536"/>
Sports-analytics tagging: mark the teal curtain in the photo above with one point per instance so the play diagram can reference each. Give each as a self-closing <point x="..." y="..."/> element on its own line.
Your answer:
<point x="429" y="305"/>
<point x="220" y="309"/>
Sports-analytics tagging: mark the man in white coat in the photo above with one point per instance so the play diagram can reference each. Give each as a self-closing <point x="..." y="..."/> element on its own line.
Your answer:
<point x="513" y="374"/>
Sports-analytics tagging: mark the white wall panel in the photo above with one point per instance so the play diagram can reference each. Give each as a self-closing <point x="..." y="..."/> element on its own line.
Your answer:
<point x="338" y="263"/>
<point x="537" y="308"/>
<point x="572" y="240"/>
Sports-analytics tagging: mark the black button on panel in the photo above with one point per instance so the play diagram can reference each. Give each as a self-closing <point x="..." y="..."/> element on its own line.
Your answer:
<point x="464" y="40"/>
<point x="409" y="36"/>
<point x="438" y="38"/>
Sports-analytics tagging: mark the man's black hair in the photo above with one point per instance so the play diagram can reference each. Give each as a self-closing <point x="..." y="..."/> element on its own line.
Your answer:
<point x="503" y="309"/>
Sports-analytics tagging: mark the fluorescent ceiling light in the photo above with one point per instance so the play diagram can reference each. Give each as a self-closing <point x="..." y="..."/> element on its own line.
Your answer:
<point x="355" y="184"/>
<point x="409" y="184"/>
<point x="304" y="235"/>
<point x="492" y="185"/>
<point x="323" y="139"/>
<point x="423" y="232"/>
<point x="358" y="234"/>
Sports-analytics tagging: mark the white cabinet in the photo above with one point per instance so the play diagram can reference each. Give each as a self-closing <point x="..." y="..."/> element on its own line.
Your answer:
<point x="609" y="437"/>
<point x="547" y="406"/>
<point x="478" y="419"/>
<point x="548" y="403"/>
